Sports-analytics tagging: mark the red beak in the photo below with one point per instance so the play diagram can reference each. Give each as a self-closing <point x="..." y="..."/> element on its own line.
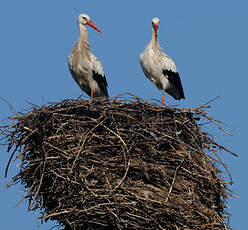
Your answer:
<point x="156" y="30"/>
<point x="90" y="23"/>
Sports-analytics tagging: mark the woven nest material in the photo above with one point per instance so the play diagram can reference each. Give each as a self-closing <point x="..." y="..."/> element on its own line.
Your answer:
<point x="119" y="164"/>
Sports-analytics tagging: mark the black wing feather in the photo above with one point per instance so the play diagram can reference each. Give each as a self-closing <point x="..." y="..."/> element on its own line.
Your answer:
<point x="175" y="80"/>
<point x="102" y="82"/>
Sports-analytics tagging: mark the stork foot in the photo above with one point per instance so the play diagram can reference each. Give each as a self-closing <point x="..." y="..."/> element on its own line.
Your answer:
<point x="91" y="93"/>
<point x="163" y="96"/>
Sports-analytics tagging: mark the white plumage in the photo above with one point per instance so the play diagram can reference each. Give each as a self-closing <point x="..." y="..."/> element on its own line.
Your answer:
<point x="160" y="68"/>
<point x="85" y="68"/>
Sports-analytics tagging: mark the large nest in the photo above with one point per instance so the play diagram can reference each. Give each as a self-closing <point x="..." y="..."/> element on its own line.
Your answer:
<point x="119" y="164"/>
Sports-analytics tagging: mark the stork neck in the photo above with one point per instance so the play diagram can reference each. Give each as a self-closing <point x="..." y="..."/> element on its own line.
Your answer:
<point x="154" y="37"/>
<point x="154" y="41"/>
<point x="83" y="39"/>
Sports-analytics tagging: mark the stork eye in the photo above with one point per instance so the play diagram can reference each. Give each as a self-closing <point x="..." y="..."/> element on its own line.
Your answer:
<point x="84" y="18"/>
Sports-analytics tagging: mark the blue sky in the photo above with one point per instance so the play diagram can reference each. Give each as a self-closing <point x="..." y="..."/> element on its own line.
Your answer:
<point x="206" y="39"/>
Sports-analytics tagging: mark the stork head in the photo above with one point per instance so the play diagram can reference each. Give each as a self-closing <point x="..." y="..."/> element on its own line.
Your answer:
<point x="84" y="19"/>
<point x="155" y="24"/>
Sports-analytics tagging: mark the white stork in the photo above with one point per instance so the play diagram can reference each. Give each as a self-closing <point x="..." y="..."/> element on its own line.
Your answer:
<point x="160" y="68"/>
<point x="85" y="68"/>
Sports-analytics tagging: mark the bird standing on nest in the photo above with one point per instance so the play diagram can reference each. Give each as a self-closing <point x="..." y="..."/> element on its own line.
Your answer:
<point x="160" y="68"/>
<point x="85" y="68"/>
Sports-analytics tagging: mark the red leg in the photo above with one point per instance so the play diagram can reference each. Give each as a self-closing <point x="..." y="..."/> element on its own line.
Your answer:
<point x="91" y="93"/>
<point x="163" y="96"/>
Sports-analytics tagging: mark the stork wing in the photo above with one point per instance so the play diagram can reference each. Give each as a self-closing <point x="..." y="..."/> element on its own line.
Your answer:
<point x="170" y="71"/>
<point x="168" y="63"/>
<point x="98" y="74"/>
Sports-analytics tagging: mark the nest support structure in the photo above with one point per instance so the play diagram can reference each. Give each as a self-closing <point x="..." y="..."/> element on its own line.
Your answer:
<point x="119" y="164"/>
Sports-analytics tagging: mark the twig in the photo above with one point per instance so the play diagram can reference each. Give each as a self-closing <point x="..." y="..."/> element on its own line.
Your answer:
<point x="41" y="180"/>
<point x="28" y="192"/>
<point x="174" y="180"/>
